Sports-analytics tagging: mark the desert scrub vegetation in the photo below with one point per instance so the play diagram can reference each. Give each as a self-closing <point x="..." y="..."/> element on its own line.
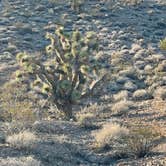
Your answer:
<point x="21" y="161"/>
<point x="70" y="72"/>
<point x="109" y="135"/>
<point x="15" y="103"/>
<point x="163" y="44"/>
<point x="142" y="140"/>
<point x="87" y="116"/>
<point x="161" y="68"/>
<point x="122" y="107"/>
<point x="132" y="2"/>
<point x="86" y="120"/>
<point x="22" y="140"/>
<point x="160" y="92"/>
<point x="142" y="94"/>
<point x="135" y="142"/>
<point x="122" y="95"/>
<point x="112" y="4"/>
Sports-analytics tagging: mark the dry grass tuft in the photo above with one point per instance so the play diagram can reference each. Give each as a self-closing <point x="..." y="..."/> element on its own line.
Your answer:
<point x="122" y="95"/>
<point x="16" y="104"/>
<point x="135" y="142"/>
<point x="86" y="120"/>
<point x="87" y="117"/>
<point x="109" y="134"/>
<point x="22" y="140"/>
<point x="160" y="93"/>
<point x="141" y="94"/>
<point x="122" y="107"/>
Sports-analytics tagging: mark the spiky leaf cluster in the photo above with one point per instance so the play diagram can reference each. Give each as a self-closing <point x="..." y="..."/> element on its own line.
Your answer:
<point x="71" y="70"/>
<point x="163" y="44"/>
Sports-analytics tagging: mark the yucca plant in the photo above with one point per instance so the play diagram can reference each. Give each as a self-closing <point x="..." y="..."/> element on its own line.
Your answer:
<point x="163" y="44"/>
<point x="70" y="72"/>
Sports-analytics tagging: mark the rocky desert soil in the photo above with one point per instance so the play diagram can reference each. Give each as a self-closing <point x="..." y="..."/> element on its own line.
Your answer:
<point x="129" y="38"/>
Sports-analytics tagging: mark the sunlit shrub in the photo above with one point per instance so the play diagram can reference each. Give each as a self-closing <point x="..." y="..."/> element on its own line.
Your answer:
<point x="22" y="140"/>
<point x="109" y="135"/>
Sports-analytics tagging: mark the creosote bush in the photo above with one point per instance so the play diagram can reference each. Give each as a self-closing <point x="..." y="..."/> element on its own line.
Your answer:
<point x="141" y="141"/>
<point x="109" y="135"/>
<point x="70" y="71"/>
<point x="136" y="142"/>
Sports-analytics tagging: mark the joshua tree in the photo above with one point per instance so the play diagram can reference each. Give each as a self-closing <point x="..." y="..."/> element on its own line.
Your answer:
<point x="70" y="71"/>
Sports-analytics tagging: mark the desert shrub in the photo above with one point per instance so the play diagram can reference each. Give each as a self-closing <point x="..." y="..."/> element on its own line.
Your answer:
<point x="92" y="108"/>
<point x="89" y="115"/>
<point x="130" y="2"/>
<point x="14" y="127"/>
<point x="87" y="120"/>
<point x="16" y="105"/>
<point x="135" y="142"/>
<point x="70" y="72"/>
<point x="163" y="44"/>
<point x="21" y="161"/>
<point x="130" y="86"/>
<point x="121" y="107"/>
<point x="51" y="127"/>
<point x="141" y="141"/>
<point x="148" y="69"/>
<point x="113" y="4"/>
<point x="129" y="72"/>
<point x="77" y="5"/>
<point x="141" y="94"/>
<point x="122" y="95"/>
<point x="22" y="140"/>
<point x="157" y="57"/>
<point x="110" y="135"/>
<point x="161" y="67"/>
<point x="160" y="92"/>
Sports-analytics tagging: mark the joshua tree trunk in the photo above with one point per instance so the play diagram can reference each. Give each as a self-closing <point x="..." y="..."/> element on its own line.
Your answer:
<point x="67" y="110"/>
<point x="66" y="107"/>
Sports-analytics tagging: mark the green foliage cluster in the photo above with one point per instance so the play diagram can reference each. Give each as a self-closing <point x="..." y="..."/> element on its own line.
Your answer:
<point x="71" y="69"/>
<point x="163" y="44"/>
